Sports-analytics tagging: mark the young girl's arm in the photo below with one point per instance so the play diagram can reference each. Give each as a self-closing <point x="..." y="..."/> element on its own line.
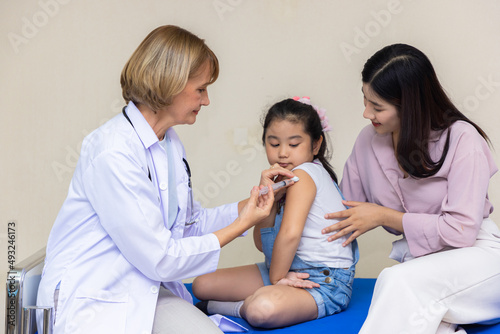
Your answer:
<point x="267" y="222"/>
<point x="299" y="199"/>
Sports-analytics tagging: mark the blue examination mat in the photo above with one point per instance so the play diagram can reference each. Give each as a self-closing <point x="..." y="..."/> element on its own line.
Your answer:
<point x="351" y="320"/>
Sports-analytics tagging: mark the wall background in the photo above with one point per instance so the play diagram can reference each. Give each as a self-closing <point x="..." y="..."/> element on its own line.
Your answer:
<point x="60" y="62"/>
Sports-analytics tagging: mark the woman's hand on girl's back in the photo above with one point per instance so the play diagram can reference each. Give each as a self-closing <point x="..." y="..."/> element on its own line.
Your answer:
<point x="360" y="218"/>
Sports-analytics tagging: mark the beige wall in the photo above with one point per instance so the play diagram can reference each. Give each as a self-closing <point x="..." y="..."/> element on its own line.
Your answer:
<point x="60" y="62"/>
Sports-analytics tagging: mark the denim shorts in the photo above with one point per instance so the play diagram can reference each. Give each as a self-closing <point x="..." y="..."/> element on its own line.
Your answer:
<point x="334" y="293"/>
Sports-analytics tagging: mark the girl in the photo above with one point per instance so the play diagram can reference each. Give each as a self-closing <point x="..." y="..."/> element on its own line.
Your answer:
<point x="274" y="293"/>
<point x="424" y="168"/>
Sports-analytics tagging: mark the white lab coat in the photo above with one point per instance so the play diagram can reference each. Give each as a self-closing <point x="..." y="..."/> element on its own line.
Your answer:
<point x="110" y="246"/>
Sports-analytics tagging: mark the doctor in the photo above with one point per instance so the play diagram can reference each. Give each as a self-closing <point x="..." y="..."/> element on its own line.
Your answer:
<point x="129" y="230"/>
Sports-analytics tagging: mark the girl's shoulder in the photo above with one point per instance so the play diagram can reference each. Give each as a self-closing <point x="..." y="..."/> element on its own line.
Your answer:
<point x="315" y="170"/>
<point x="314" y="166"/>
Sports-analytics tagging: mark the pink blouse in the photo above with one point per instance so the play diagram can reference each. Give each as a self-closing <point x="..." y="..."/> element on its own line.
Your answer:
<point x="441" y="211"/>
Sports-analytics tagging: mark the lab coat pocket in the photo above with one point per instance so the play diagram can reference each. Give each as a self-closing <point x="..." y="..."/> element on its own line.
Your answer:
<point x="98" y="312"/>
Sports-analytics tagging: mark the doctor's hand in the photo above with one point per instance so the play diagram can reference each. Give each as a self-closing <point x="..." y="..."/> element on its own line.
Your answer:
<point x="250" y="212"/>
<point x="360" y="218"/>
<point x="275" y="173"/>
<point x="297" y="280"/>
<point x="257" y="207"/>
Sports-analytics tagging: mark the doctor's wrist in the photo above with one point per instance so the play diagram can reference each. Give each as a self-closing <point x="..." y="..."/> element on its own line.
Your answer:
<point x="233" y="230"/>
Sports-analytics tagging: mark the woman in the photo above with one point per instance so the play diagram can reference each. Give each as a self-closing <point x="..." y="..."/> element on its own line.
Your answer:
<point x="129" y="230"/>
<point x="422" y="169"/>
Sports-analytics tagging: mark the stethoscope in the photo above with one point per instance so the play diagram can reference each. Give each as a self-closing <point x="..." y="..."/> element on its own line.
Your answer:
<point x="189" y="221"/>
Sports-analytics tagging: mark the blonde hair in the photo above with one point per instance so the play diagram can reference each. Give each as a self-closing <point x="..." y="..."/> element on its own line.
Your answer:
<point x="162" y="64"/>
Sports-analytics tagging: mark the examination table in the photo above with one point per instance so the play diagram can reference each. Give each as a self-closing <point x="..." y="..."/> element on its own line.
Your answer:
<point x="351" y="320"/>
<point x="22" y="286"/>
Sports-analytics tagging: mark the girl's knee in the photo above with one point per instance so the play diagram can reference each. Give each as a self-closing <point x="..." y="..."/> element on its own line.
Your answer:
<point x="261" y="309"/>
<point x="201" y="285"/>
<point x="260" y="312"/>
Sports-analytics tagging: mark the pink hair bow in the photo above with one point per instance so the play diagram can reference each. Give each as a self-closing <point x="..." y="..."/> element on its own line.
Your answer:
<point x="321" y="112"/>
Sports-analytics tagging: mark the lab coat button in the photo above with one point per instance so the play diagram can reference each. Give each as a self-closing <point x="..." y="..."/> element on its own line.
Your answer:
<point x="163" y="186"/>
<point x="154" y="289"/>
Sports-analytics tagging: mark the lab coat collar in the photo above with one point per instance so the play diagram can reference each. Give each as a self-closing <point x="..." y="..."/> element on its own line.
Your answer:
<point x="141" y="126"/>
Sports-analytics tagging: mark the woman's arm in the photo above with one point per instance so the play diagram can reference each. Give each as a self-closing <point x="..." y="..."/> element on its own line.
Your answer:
<point x="457" y="214"/>
<point x="361" y="217"/>
<point x="299" y="199"/>
<point x="463" y="208"/>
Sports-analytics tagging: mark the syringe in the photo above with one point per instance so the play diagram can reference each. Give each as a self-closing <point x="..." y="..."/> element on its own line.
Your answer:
<point x="279" y="185"/>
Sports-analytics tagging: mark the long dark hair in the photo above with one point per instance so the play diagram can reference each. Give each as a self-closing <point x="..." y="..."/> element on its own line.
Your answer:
<point x="298" y="112"/>
<point x="403" y="76"/>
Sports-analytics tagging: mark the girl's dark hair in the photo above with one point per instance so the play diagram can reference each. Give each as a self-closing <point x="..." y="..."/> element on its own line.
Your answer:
<point x="298" y="112"/>
<point x="403" y="76"/>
